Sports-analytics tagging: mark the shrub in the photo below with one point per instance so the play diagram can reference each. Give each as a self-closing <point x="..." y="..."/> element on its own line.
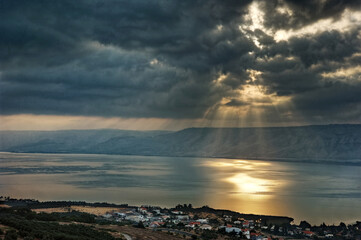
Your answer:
<point x="11" y="235"/>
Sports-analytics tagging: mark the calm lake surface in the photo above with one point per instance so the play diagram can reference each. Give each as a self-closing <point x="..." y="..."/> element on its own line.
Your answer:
<point x="313" y="192"/>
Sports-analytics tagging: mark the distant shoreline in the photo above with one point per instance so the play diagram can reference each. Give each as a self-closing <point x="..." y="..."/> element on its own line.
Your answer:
<point x="353" y="162"/>
<point x="36" y="204"/>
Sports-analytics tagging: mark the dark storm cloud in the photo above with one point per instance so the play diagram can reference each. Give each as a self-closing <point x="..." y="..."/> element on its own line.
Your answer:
<point x="304" y="12"/>
<point x="118" y="58"/>
<point x="327" y="46"/>
<point x="337" y="99"/>
<point x="163" y="58"/>
<point x="297" y="72"/>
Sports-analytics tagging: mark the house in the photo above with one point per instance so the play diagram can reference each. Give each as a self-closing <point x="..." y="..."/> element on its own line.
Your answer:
<point x="329" y="235"/>
<point x="206" y="227"/>
<point x="135" y="218"/>
<point x="256" y="236"/>
<point x="182" y="217"/>
<point x="308" y="233"/>
<point x="272" y="228"/>
<point x="142" y="210"/>
<point x="245" y="224"/>
<point x="107" y="216"/>
<point x="246" y="233"/>
<point x="193" y="224"/>
<point x="204" y="221"/>
<point x="176" y="212"/>
<point x="233" y="229"/>
<point x="120" y="215"/>
<point x="156" y="224"/>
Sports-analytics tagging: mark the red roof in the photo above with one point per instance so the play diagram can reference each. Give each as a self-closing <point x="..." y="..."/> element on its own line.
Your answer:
<point x="194" y="223"/>
<point x="307" y="232"/>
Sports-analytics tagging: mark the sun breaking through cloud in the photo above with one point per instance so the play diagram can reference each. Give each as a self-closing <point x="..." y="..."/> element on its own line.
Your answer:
<point x="179" y="63"/>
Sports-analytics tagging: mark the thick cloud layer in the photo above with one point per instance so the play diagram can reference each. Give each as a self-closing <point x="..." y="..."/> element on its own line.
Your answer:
<point x="298" y="13"/>
<point x="178" y="59"/>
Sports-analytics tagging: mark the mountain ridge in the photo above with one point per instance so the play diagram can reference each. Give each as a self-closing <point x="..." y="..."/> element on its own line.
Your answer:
<point x="335" y="142"/>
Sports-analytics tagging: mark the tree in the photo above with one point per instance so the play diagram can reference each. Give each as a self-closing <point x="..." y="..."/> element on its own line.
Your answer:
<point x="214" y="221"/>
<point x="342" y="225"/>
<point x="207" y="234"/>
<point x="11" y="235"/>
<point x="305" y="224"/>
<point x="140" y="224"/>
<point x="28" y="238"/>
<point x="47" y="237"/>
<point x="180" y="225"/>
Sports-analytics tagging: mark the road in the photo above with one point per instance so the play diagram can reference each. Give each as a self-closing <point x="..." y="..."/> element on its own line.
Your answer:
<point x="127" y="236"/>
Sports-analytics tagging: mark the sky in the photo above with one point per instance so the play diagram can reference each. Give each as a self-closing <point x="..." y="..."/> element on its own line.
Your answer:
<point x="146" y="64"/>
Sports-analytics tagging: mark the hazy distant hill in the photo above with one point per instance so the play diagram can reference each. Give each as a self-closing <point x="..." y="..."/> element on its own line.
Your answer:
<point x="328" y="142"/>
<point x="65" y="140"/>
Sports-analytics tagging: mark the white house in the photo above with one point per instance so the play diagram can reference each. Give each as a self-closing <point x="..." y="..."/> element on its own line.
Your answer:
<point x="135" y="218"/>
<point x="246" y="233"/>
<point x="233" y="229"/>
<point x="108" y="215"/>
<point x="202" y="220"/>
<point x="176" y="212"/>
<point x="182" y="217"/>
<point x="206" y="227"/>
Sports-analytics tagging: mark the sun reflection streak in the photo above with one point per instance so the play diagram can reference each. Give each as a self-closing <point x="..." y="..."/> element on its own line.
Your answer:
<point x="248" y="184"/>
<point x="249" y="179"/>
<point x="240" y="164"/>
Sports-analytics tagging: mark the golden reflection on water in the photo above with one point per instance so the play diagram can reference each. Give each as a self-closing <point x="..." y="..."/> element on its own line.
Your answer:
<point x="250" y="185"/>
<point x="241" y="164"/>
<point x="250" y="188"/>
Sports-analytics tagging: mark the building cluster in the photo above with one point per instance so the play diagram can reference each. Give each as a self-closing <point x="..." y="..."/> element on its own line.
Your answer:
<point x="158" y="218"/>
<point x="162" y="219"/>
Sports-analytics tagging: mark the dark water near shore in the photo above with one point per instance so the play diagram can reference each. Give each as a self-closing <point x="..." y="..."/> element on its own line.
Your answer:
<point x="315" y="192"/>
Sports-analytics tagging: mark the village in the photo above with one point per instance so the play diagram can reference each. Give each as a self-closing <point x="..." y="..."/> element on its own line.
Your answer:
<point x="210" y="226"/>
<point x="180" y="222"/>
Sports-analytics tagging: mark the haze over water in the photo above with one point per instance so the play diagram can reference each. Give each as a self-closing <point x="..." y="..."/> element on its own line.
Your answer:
<point x="313" y="192"/>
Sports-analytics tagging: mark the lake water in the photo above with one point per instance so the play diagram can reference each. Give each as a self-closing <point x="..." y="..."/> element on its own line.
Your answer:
<point x="313" y="192"/>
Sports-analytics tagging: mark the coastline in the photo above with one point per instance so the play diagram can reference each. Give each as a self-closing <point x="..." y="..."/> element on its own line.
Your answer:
<point x="350" y="162"/>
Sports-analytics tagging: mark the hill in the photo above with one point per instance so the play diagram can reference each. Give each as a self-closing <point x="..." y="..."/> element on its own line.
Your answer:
<point x="319" y="142"/>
